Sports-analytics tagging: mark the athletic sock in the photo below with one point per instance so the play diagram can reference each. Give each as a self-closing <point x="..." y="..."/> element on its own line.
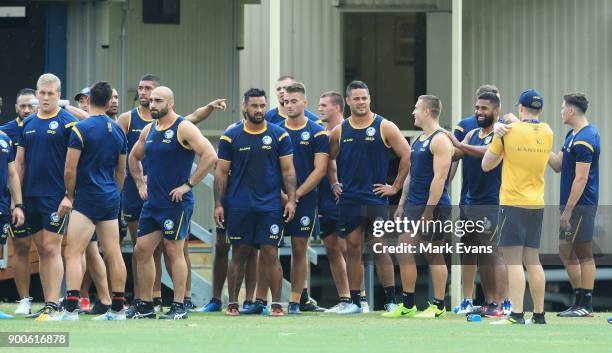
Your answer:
<point x="157" y="301"/>
<point x="390" y="294"/>
<point x="304" y="297"/>
<point x="180" y="305"/>
<point x="363" y="298"/>
<point x="72" y="300"/>
<point x="538" y="315"/>
<point x="118" y="301"/>
<point x="356" y="297"/>
<point x="439" y="303"/>
<point x="344" y="300"/>
<point x="408" y="300"/>
<point x="586" y="299"/>
<point x="577" y="296"/>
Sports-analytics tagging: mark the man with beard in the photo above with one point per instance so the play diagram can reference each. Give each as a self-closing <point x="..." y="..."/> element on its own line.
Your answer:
<point x="278" y="115"/>
<point x="361" y="148"/>
<point x="255" y="163"/>
<point x="21" y="240"/>
<point x="425" y="198"/>
<point x="172" y="142"/>
<point x="482" y="202"/>
<point x="310" y="155"/>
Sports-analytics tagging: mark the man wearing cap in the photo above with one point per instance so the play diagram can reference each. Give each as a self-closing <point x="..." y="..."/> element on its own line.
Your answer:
<point x="524" y="147"/>
<point x="82" y="98"/>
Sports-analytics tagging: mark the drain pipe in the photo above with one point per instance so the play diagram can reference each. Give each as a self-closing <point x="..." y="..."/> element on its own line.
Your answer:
<point x="125" y="8"/>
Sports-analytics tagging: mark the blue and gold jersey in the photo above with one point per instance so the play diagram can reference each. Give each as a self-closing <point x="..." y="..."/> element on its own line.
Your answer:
<point x="276" y="117"/>
<point x="12" y="129"/>
<point x="45" y="142"/>
<point x="363" y="160"/>
<point x="461" y="130"/>
<point x="136" y="124"/>
<point x="422" y="173"/>
<point x="482" y="187"/>
<point x="582" y="147"/>
<point x="6" y="156"/>
<point x="100" y="141"/>
<point x="170" y="167"/>
<point x="308" y="140"/>
<point x="255" y="179"/>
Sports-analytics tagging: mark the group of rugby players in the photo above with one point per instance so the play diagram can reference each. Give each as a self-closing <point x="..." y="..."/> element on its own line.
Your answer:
<point x="285" y="173"/>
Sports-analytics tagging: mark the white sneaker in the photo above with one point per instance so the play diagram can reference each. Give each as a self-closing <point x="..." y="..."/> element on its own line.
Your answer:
<point x="350" y="309"/>
<point x="389" y="307"/>
<point x="158" y="308"/>
<point x="24" y="307"/>
<point x="111" y="316"/>
<point x="69" y="315"/>
<point x="334" y="309"/>
<point x="465" y="307"/>
<point x="365" y="307"/>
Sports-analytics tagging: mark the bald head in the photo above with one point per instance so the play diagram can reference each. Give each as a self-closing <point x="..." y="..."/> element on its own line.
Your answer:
<point x="161" y="102"/>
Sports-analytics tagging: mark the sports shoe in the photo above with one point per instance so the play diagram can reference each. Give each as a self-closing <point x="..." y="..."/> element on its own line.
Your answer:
<point x="509" y="321"/>
<point x="232" y="310"/>
<point x="311" y="305"/>
<point x="158" y="305"/>
<point x="36" y="314"/>
<point x="85" y="304"/>
<point x="189" y="305"/>
<point x="4" y="315"/>
<point x="334" y="309"/>
<point x="507" y="307"/>
<point x="177" y="312"/>
<point x="69" y="315"/>
<point x="571" y="308"/>
<point x="213" y="305"/>
<point x="98" y="309"/>
<point x="143" y="312"/>
<point x="24" y="307"/>
<point x="293" y="309"/>
<point x="577" y="312"/>
<point x="401" y="311"/>
<point x="111" y="316"/>
<point x="247" y="304"/>
<point x="494" y="312"/>
<point x="350" y="308"/>
<point x="254" y="309"/>
<point x="432" y="312"/>
<point x="536" y="320"/>
<point x="49" y="313"/>
<point x="465" y="307"/>
<point x="365" y="307"/>
<point x="131" y="310"/>
<point x="389" y="307"/>
<point x="276" y="310"/>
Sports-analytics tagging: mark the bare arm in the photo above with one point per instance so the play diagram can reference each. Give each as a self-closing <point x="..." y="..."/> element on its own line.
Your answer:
<point x="442" y="150"/>
<point x="123" y="121"/>
<point x="555" y="161"/>
<point x="135" y="158"/>
<point x="221" y="178"/>
<point x="490" y="161"/>
<point x="320" y="169"/>
<point x="77" y="112"/>
<point x="401" y="148"/>
<point x="20" y="163"/>
<point x="70" y="173"/>
<point x="120" y="172"/>
<point x="289" y="178"/>
<point x="578" y="185"/>
<point x="14" y="184"/>
<point x="204" y="112"/>
<point x="332" y="168"/>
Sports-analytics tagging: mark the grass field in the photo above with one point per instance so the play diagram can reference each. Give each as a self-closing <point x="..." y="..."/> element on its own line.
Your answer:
<point x="314" y="333"/>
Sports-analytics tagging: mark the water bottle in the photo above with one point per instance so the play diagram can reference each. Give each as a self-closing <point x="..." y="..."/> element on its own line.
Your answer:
<point x="474" y="318"/>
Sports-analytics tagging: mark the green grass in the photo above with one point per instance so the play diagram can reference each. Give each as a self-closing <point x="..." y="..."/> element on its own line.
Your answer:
<point x="315" y="333"/>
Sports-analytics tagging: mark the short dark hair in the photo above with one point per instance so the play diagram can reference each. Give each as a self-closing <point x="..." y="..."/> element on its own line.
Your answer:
<point x="296" y="87"/>
<point x="335" y="98"/>
<point x="285" y="77"/>
<point x="253" y="92"/>
<point x="491" y="97"/>
<point x="434" y="104"/>
<point x="100" y="94"/>
<point x="578" y="101"/>
<point x="356" y="85"/>
<point x="152" y="78"/>
<point x="26" y="92"/>
<point x="487" y="88"/>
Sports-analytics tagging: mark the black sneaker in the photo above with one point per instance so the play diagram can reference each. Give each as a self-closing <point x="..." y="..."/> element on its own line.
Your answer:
<point x="571" y="308"/>
<point x="131" y="310"/>
<point x="538" y="320"/>
<point x="144" y="311"/>
<point x="36" y="314"/>
<point x="189" y="305"/>
<point x="311" y="305"/>
<point x="98" y="309"/>
<point x="577" y="312"/>
<point x="177" y="312"/>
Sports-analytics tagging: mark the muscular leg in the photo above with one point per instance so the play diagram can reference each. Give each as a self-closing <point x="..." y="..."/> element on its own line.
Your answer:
<point x="97" y="271"/>
<point x="21" y="265"/>
<point x="571" y="262"/>
<point x="133" y="229"/>
<point x="250" y="275"/>
<point x="174" y="250"/>
<point x="513" y="256"/>
<point x="272" y="271"/>
<point x="51" y="267"/>
<point x="157" y="255"/>
<point x="336" y="250"/>
<point x="354" y="265"/>
<point x="145" y="246"/>
<point x="220" y="265"/>
<point x="299" y="267"/>
<point x="188" y="262"/>
<point x="240" y="254"/>
<point x="439" y="272"/>
<point x="537" y="278"/>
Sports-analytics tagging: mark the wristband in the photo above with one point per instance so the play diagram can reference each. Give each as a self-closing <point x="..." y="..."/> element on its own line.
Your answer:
<point x="333" y="186"/>
<point x="189" y="184"/>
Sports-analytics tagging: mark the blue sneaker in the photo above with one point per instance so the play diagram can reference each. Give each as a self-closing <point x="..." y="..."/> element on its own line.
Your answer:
<point x="4" y="315"/>
<point x="350" y="309"/>
<point x="507" y="306"/>
<point x="294" y="309"/>
<point x="465" y="307"/>
<point x="253" y="309"/>
<point x="247" y="304"/>
<point x="214" y="305"/>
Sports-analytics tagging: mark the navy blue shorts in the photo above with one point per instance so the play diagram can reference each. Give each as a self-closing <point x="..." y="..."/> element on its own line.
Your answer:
<point x="254" y="228"/>
<point x="98" y="210"/>
<point x="436" y="230"/>
<point x="352" y="216"/>
<point x="485" y="220"/>
<point x="327" y="226"/>
<point x="131" y="214"/>
<point x="41" y="213"/>
<point x="172" y="222"/>
<point x="582" y="225"/>
<point x="520" y="226"/>
<point x="304" y="223"/>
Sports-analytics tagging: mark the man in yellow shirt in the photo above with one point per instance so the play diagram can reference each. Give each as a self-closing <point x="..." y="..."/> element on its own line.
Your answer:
<point x="525" y="149"/>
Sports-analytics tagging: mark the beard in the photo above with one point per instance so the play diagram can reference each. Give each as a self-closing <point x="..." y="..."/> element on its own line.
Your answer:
<point x="158" y="114"/>
<point x="488" y="121"/>
<point x="255" y="119"/>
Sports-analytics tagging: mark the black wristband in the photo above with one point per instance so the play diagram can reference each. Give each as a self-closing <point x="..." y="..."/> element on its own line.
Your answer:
<point x="19" y="205"/>
<point x="189" y="184"/>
